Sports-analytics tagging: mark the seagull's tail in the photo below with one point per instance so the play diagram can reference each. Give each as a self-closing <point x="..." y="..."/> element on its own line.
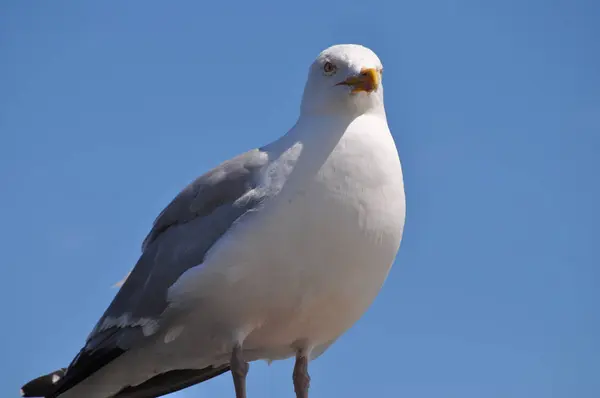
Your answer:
<point x="44" y="385"/>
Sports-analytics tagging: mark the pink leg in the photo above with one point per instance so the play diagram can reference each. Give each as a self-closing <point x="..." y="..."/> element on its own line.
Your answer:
<point x="301" y="377"/>
<point x="239" y="370"/>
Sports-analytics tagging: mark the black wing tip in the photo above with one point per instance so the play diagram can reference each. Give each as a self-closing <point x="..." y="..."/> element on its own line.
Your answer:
<point x="46" y="386"/>
<point x="43" y="386"/>
<point x="171" y="381"/>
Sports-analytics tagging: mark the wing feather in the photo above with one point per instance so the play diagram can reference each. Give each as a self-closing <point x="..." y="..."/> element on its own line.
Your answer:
<point x="179" y="239"/>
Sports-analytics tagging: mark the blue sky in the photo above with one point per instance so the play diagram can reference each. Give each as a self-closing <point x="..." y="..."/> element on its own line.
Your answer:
<point x="108" y="108"/>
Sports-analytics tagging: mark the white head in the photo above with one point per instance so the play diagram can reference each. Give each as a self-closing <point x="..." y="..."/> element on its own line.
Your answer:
<point x="346" y="79"/>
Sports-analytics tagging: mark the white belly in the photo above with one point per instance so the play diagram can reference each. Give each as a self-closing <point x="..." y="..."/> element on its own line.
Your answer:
<point x="324" y="279"/>
<point x="320" y="258"/>
<point x="317" y="263"/>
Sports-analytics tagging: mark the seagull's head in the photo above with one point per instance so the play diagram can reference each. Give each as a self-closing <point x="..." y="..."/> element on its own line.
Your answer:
<point x="344" y="78"/>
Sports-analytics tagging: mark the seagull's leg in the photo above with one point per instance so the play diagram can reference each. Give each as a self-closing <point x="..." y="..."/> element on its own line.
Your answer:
<point x="301" y="377"/>
<point x="239" y="370"/>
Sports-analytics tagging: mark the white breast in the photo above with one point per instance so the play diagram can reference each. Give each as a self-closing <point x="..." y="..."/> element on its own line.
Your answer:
<point x="308" y="266"/>
<point x="332" y="244"/>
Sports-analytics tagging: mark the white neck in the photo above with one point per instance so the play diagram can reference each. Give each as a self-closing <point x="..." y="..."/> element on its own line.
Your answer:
<point x="306" y="147"/>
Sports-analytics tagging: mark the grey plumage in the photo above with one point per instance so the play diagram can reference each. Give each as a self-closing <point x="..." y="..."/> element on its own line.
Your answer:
<point x="184" y="231"/>
<point x="179" y="239"/>
<point x="223" y="185"/>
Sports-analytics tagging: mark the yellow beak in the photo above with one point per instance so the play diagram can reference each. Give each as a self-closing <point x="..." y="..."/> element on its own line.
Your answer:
<point x="367" y="81"/>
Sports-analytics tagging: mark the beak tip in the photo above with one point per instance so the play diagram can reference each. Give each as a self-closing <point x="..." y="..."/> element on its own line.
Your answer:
<point x="366" y="81"/>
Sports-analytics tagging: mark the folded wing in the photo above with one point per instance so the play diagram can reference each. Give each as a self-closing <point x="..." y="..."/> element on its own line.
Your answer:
<point x="180" y="237"/>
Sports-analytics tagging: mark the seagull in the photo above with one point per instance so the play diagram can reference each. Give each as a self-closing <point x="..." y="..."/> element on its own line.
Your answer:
<point x="273" y="254"/>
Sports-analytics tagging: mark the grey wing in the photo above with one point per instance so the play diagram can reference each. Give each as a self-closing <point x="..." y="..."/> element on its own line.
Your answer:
<point x="182" y="234"/>
<point x="180" y="237"/>
<point x="223" y="185"/>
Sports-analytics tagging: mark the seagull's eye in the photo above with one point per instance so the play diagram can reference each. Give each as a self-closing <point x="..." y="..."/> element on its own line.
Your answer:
<point x="329" y="68"/>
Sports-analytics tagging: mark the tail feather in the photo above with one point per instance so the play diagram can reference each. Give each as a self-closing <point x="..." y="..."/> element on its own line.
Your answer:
<point x="44" y="385"/>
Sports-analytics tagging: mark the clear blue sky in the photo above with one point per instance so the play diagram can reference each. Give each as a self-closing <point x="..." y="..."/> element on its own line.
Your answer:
<point x="108" y="108"/>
